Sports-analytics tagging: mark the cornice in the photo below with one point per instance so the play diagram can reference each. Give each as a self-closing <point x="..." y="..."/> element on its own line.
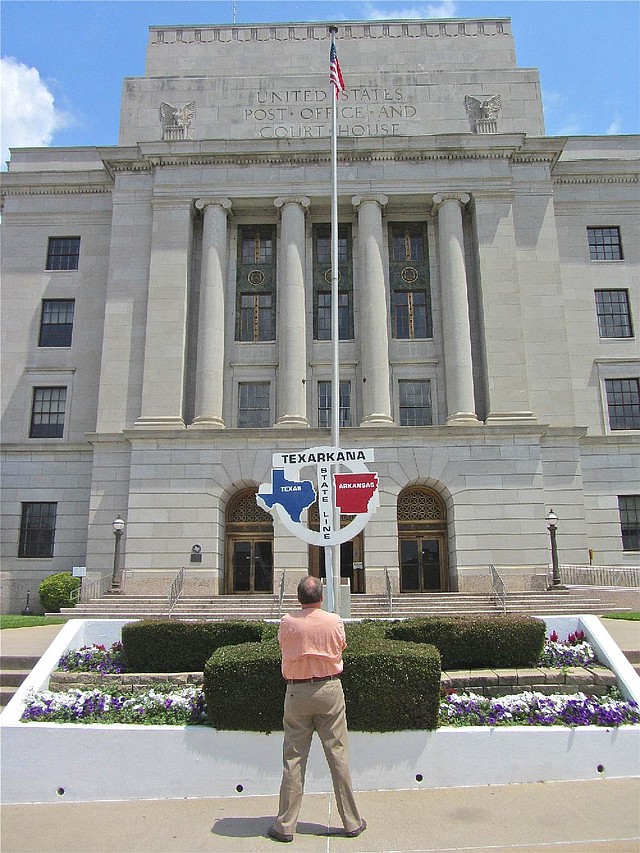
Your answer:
<point x="274" y="158"/>
<point x="55" y="189"/>
<point x="165" y="36"/>
<point x="596" y="179"/>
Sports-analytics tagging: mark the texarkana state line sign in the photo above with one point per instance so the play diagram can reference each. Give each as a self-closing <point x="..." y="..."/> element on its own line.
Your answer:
<point x="288" y="494"/>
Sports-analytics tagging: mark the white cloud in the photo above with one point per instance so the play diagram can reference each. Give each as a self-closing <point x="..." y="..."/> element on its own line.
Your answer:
<point x="444" y="9"/>
<point x="558" y="118"/>
<point x="614" y="128"/>
<point x="29" y="114"/>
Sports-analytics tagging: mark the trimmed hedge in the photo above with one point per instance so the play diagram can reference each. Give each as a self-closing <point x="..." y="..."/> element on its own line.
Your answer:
<point x="391" y="685"/>
<point x="391" y="677"/>
<point x="243" y="687"/>
<point x="55" y="591"/>
<point x="388" y="685"/>
<point x="173" y="646"/>
<point x="467" y="642"/>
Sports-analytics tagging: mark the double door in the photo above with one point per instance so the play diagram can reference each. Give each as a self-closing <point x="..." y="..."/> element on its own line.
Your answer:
<point x="423" y="563"/>
<point x="251" y="566"/>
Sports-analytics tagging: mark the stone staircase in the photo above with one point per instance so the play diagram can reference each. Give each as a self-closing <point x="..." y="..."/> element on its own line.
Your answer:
<point x="367" y="606"/>
<point x="13" y="671"/>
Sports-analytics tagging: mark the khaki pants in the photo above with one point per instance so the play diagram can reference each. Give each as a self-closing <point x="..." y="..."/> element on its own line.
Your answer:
<point x="316" y="707"/>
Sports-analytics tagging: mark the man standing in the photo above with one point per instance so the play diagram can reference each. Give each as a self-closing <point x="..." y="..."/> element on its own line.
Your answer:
<point x="312" y="641"/>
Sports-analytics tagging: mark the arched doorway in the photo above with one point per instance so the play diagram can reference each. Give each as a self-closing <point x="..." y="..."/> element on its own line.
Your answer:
<point x="422" y="541"/>
<point x="249" y="546"/>
<point x="351" y="554"/>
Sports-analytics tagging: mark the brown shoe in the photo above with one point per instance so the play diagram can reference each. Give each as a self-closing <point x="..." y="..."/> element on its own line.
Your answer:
<point x="356" y="832"/>
<point x="272" y="832"/>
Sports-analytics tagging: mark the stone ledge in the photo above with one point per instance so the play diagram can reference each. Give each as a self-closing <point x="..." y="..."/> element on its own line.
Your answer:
<point x="488" y="682"/>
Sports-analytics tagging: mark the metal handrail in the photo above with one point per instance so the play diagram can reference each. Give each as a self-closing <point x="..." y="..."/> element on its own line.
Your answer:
<point x="281" y="594"/>
<point x="175" y="590"/>
<point x="499" y="589"/>
<point x="90" y="589"/>
<point x="582" y="575"/>
<point x="387" y="579"/>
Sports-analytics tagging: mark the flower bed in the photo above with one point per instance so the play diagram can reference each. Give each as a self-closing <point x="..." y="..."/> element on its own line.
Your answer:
<point x="152" y="707"/>
<point x="186" y="706"/>
<point x="94" y="658"/>
<point x="536" y="709"/>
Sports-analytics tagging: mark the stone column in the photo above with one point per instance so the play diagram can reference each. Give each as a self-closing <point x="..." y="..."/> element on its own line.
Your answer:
<point x="166" y="328"/>
<point x="292" y="343"/>
<point x="374" y="337"/>
<point x="210" y="364"/>
<point x="456" y="328"/>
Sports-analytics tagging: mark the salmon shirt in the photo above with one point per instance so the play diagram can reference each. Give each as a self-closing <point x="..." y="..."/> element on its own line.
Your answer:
<point x="312" y="642"/>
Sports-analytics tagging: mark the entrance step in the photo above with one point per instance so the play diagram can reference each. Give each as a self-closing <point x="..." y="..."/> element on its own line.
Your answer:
<point x="366" y="606"/>
<point x="13" y="671"/>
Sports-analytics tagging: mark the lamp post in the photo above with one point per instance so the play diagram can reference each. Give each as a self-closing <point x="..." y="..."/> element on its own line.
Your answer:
<point x="116" y="578"/>
<point x="556" y="580"/>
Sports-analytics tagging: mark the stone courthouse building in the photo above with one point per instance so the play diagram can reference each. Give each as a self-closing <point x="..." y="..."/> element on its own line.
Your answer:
<point x="166" y="317"/>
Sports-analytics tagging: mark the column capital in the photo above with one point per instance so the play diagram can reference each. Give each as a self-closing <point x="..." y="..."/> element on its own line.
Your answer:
<point x="380" y="199"/>
<point x="302" y="200"/>
<point x="461" y="198"/>
<point x="224" y="203"/>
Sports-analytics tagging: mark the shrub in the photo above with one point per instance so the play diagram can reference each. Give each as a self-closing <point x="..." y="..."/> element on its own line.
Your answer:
<point x="55" y="591"/>
<point x="173" y="646"/>
<point x="391" y="685"/>
<point x="243" y="687"/>
<point x="467" y="642"/>
<point x="387" y="685"/>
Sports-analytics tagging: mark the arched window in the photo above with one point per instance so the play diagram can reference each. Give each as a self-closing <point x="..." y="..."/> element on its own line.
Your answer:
<point x="422" y="541"/>
<point x="249" y="546"/>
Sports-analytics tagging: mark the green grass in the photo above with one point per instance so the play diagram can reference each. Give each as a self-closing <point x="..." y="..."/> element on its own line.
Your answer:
<point x="14" y="621"/>
<point x="631" y="616"/>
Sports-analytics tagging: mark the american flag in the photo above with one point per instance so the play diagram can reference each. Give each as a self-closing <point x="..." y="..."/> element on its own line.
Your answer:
<point x="335" y="75"/>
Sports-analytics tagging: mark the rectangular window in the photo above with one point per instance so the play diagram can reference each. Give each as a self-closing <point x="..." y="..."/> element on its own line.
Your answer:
<point x="257" y="320"/>
<point x="614" y="314"/>
<point x="415" y="402"/>
<point x="411" y="315"/>
<point x="322" y="281"/>
<point x="323" y="245"/>
<point x="629" y="507"/>
<point x="323" y="316"/>
<point x="257" y="247"/>
<point x="37" y="529"/>
<point x="56" y="323"/>
<point x="324" y="404"/>
<point x="604" y="244"/>
<point x="253" y="405"/>
<point x="407" y="243"/>
<point x="47" y="412"/>
<point x="623" y="403"/>
<point x="63" y="253"/>
<point x="256" y="284"/>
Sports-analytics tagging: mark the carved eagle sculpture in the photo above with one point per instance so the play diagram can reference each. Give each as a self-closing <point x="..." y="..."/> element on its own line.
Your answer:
<point x="483" y="108"/>
<point x="173" y="118"/>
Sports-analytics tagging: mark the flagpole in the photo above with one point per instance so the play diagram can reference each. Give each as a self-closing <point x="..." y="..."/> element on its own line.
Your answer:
<point x="335" y="354"/>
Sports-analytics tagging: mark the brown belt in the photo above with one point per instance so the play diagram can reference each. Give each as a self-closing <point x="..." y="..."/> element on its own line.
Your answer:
<point x="311" y="680"/>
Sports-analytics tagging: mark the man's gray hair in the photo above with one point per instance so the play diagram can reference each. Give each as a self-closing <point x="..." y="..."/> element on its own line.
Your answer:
<point x="310" y="590"/>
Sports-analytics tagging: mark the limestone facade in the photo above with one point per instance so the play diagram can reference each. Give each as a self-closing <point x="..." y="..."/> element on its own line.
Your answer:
<point x="485" y="392"/>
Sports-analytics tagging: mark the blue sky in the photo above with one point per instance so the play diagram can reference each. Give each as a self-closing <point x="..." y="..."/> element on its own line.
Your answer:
<point x="64" y="60"/>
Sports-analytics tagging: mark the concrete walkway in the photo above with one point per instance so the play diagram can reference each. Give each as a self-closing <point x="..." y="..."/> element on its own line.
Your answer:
<point x="583" y="816"/>
<point x="600" y="816"/>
